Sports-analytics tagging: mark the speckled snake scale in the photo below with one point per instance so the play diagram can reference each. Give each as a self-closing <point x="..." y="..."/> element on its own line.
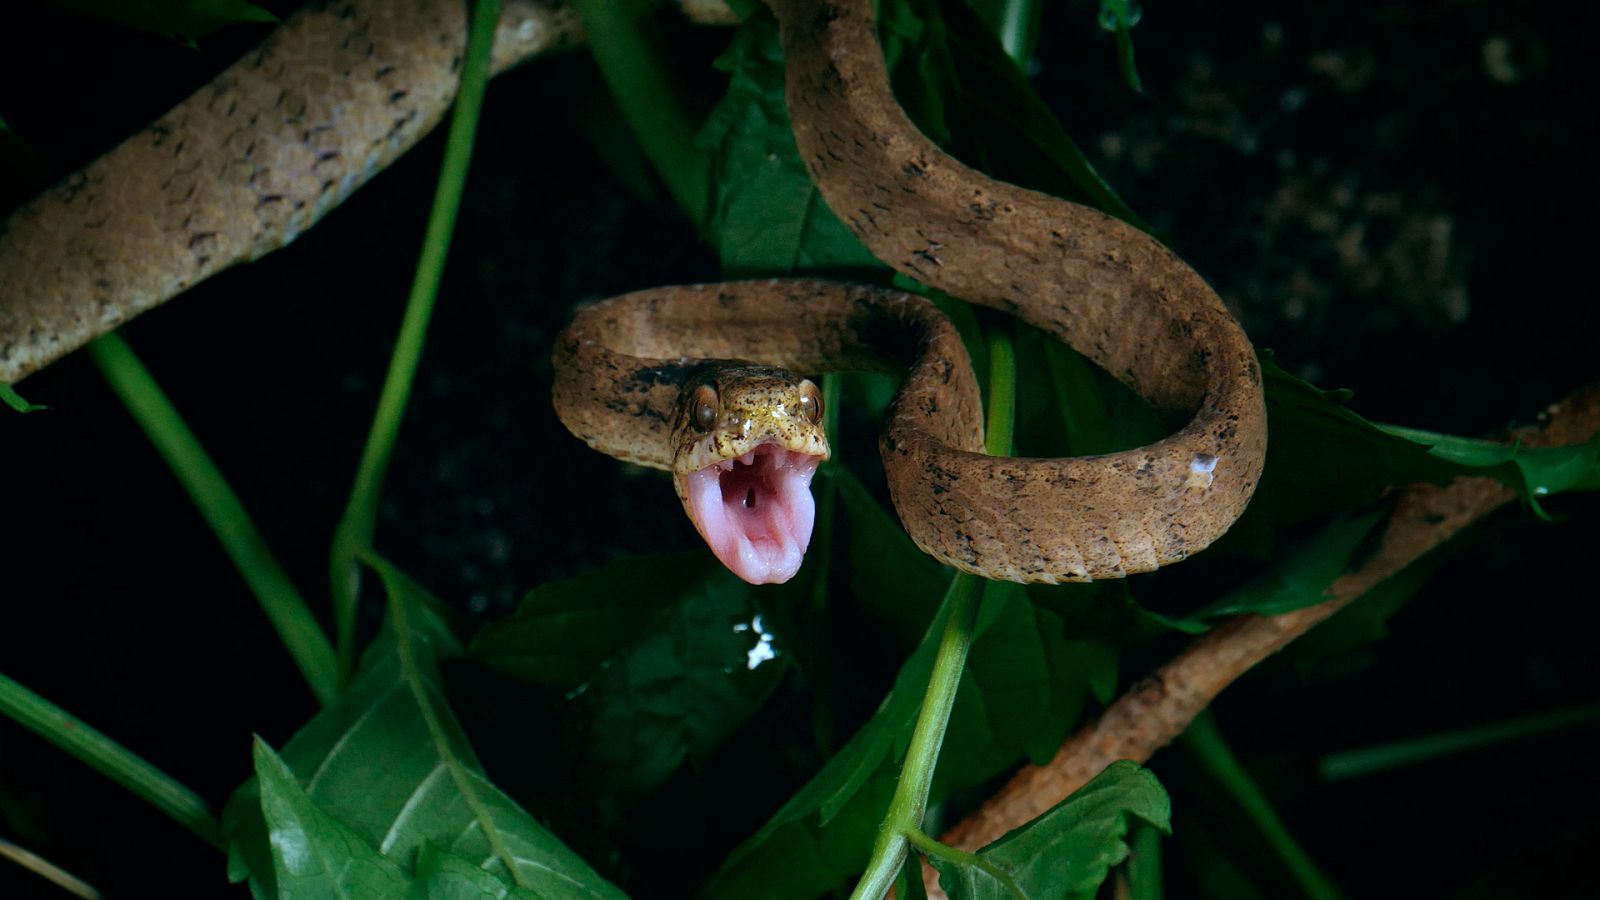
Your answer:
<point x="342" y="88"/>
<point x="1091" y="281"/>
<point x="239" y="169"/>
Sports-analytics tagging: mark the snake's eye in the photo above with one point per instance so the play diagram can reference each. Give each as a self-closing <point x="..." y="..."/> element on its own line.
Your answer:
<point x="810" y="402"/>
<point x="706" y="407"/>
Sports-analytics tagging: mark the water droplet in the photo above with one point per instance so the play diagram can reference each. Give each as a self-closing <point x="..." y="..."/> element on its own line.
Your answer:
<point x="760" y="653"/>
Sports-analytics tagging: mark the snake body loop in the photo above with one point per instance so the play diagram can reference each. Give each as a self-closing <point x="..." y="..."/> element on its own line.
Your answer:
<point x="254" y="158"/>
<point x="1091" y="281"/>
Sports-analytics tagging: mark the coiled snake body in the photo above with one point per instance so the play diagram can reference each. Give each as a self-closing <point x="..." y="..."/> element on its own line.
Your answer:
<point x="341" y="89"/>
<point x="1093" y="282"/>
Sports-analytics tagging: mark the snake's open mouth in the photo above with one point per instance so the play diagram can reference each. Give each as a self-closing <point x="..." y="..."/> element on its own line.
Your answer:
<point x="756" y="511"/>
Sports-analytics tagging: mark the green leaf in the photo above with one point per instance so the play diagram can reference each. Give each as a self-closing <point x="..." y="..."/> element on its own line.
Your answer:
<point x="1014" y="23"/>
<point x="11" y="398"/>
<point x="1531" y="472"/>
<point x="849" y="794"/>
<point x="1365" y="620"/>
<point x="663" y="658"/>
<point x="1068" y="851"/>
<point x="389" y="762"/>
<point x="564" y="631"/>
<point x="314" y="854"/>
<point x="1024" y="687"/>
<point x="634" y="61"/>
<point x="445" y="876"/>
<point x="888" y="575"/>
<point x="1008" y="683"/>
<point x="1303" y="576"/>
<point x="183" y="21"/>
<point x="766" y="215"/>
<point x="1323" y="458"/>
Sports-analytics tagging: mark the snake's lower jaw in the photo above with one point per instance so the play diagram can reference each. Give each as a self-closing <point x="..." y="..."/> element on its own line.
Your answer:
<point x="756" y="512"/>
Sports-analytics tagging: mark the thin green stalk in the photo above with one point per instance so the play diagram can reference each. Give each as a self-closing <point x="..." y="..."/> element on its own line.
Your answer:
<point x="288" y="612"/>
<point x="109" y="758"/>
<point x="1204" y="743"/>
<point x="1002" y="409"/>
<point x="1383" y="757"/>
<point x="910" y="801"/>
<point x="10" y="397"/>
<point x="355" y="530"/>
<point x="1144" y="864"/>
<point x="632" y="60"/>
<point x="933" y="848"/>
<point x="26" y="859"/>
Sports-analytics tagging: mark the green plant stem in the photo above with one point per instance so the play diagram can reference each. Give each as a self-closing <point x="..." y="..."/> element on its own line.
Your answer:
<point x="998" y="436"/>
<point x="44" y="868"/>
<point x="1144" y="864"/>
<point x="1205" y="745"/>
<point x="933" y="848"/>
<point x="633" y="62"/>
<point x="1383" y="757"/>
<point x="288" y="612"/>
<point x="10" y="397"/>
<point x="109" y="758"/>
<point x="910" y="801"/>
<point x="355" y="530"/>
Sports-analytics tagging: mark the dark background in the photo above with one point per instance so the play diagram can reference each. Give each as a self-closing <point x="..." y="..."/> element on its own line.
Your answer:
<point x="1396" y="198"/>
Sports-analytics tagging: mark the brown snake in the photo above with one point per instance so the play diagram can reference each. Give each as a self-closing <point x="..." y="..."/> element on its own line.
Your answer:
<point x="342" y="88"/>
<point x="1095" y="283"/>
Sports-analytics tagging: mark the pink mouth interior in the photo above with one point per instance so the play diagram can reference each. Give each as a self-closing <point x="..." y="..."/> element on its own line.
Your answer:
<point x="756" y="512"/>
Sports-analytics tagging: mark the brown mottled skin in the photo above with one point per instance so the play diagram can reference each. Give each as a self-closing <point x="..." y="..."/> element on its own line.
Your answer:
<point x="242" y="167"/>
<point x="624" y="365"/>
<point x="1093" y="282"/>
<point x="343" y="88"/>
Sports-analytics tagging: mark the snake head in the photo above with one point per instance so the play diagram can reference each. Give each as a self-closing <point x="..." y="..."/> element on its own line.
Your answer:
<point x="746" y="441"/>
